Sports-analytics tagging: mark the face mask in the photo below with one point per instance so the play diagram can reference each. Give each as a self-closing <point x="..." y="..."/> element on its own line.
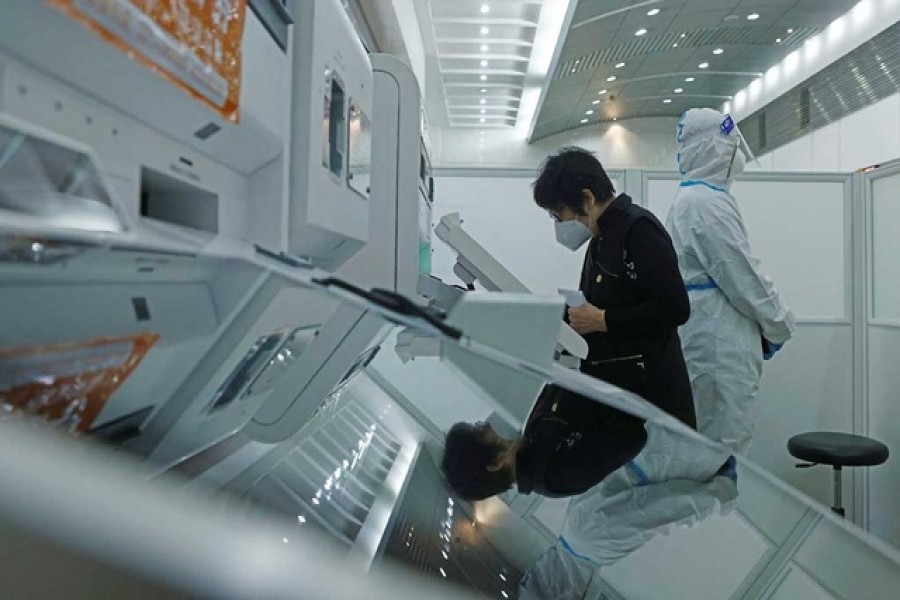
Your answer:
<point x="572" y="234"/>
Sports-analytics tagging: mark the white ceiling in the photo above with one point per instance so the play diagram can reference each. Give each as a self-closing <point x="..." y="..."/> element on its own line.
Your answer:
<point x="479" y="59"/>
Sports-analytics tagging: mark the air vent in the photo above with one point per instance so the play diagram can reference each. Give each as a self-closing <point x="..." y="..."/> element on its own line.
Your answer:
<point x="207" y="131"/>
<point x="804" y="108"/>
<point x="762" y="130"/>
<point x="859" y="79"/>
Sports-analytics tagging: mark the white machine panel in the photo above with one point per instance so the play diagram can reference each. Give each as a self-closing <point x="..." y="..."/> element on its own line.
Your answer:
<point x="331" y="137"/>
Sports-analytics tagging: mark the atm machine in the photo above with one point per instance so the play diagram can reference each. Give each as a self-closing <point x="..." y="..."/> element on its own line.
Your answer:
<point x="201" y="390"/>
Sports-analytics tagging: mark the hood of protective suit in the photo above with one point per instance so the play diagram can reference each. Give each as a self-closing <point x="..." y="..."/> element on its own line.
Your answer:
<point x="708" y="147"/>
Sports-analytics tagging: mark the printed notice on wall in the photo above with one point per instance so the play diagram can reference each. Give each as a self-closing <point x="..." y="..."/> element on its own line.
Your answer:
<point x="195" y="44"/>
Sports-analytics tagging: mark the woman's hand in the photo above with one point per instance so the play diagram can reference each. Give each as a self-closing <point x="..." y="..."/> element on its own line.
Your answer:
<point x="587" y="318"/>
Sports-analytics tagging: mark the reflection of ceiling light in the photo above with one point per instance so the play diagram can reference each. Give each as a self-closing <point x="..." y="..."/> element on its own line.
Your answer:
<point x="718" y="51"/>
<point x="611" y="78"/>
<point x="484" y="63"/>
<point x="588" y="112"/>
<point x="482" y="101"/>
<point x="689" y="79"/>
<point x="485" y="47"/>
<point x="752" y="17"/>
<point x="640" y="32"/>
<point x="653" y="12"/>
<point x="667" y="101"/>
<point x="483" y="78"/>
<point x="485" y="9"/>
<point x="620" y="65"/>
<point x="505" y="595"/>
<point x="485" y="31"/>
<point x="584" y="120"/>
<point x="703" y="65"/>
<point x="678" y="90"/>
<point x="595" y="102"/>
<point x="601" y="92"/>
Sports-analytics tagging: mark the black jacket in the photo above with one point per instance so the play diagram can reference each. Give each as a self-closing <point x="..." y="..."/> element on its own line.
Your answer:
<point x="631" y="271"/>
<point x="571" y="443"/>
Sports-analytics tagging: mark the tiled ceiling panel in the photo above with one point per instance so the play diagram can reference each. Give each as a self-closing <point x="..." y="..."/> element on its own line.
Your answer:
<point x="690" y="53"/>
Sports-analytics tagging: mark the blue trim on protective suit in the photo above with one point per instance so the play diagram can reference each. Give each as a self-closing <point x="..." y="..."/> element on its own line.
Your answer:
<point x="693" y="182"/>
<point x="709" y="284"/>
<point x="642" y="477"/>
<point x="568" y="549"/>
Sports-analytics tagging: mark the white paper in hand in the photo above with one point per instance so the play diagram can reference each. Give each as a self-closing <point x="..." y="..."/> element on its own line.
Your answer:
<point x="574" y="298"/>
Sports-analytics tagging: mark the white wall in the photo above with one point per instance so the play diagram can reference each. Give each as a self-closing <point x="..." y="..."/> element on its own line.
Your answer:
<point x="633" y="143"/>
<point x="867" y="137"/>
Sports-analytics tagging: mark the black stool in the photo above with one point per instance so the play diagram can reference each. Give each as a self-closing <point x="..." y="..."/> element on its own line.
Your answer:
<point x="838" y="450"/>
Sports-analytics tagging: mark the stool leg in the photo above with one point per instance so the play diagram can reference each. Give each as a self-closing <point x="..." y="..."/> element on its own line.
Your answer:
<point x="838" y="508"/>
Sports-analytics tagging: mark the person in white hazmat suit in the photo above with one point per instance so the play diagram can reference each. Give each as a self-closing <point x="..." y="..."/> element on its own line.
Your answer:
<point x="674" y="482"/>
<point x="625" y="491"/>
<point x="737" y="317"/>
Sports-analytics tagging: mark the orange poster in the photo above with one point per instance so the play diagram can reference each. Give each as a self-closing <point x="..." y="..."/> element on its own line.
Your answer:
<point x="69" y="384"/>
<point x="195" y="44"/>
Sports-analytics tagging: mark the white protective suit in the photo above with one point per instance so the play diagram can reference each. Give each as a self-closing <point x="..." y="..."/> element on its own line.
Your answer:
<point x="733" y="304"/>
<point x="674" y="481"/>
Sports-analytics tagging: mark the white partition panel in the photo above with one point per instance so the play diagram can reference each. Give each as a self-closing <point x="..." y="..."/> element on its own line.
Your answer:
<point x="499" y="212"/>
<point x="885" y="268"/>
<point x="798" y="226"/>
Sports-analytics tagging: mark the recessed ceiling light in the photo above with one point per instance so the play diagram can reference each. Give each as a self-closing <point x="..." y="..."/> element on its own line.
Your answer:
<point x="689" y="79"/>
<point x="640" y="32"/>
<point x="483" y="78"/>
<point x="667" y="101"/>
<point x="778" y="41"/>
<point x="485" y="31"/>
<point x="752" y="17"/>
<point x="483" y="101"/>
<point x="620" y="65"/>
<point x="481" y="120"/>
<point x="588" y="112"/>
<point x="485" y="47"/>
<point x="653" y="12"/>
<point x="611" y="78"/>
<point x="790" y="31"/>
<point x="483" y="111"/>
<point x="703" y="65"/>
<point x="718" y="51"/>
<point x="678" y="90"/>
<point x="601" y="92"/>
<point x="484" y="63"/>
<point x="683" y="35"/>
<point x="595" y="102"/>
<point x="584" y="120"/>
<point x="485" y="9"/>
<point x="483" y="90"/>
<point x="573" y="69"/>
<point x="675" y="45"/>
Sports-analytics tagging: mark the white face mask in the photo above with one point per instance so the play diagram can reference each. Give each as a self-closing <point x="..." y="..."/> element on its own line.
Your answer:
<point x="572" y="234"/>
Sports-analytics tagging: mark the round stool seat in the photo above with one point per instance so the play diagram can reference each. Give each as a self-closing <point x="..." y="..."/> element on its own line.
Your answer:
<point x="837" y="449"/>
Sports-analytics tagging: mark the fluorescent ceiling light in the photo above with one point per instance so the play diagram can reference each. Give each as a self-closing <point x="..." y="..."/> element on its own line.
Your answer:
<point x="601" y="92"/>
<point x="752" y="17"/>
<point x="485" y="48"/>
<point x="595" y="102"/>
<point x="640" y="32"/>
<point x="485" y="31"/>
<point x="483" y="101"/>
<point x="678" y="90"/>
<point x="667" y="101"/>
<point x="611" y="78"/>
<point x="485" y="9"/>
<point x="484" y="63"/>
<point x="584" y="120"/>
<point x="483" y="78"/>
<point x="689" y="79"/>
<point x="718" y="51"/>
<point x="653" y="12"/>
<point x="703" y="65"/>
<point x="588" y="112"/>
<point x="620" y="65"/>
